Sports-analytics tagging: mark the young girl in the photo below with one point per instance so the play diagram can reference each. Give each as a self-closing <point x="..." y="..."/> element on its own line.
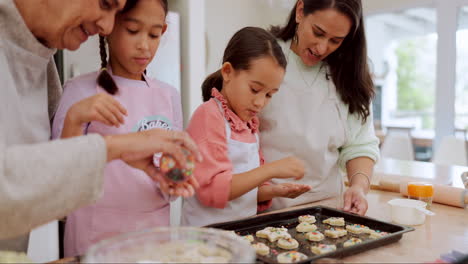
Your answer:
<point x="225" y="128"/>
<point x="123" y="100"/>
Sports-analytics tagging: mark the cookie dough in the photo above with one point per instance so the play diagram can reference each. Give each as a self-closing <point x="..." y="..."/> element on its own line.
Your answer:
<point x="357" y="229"/>
<point x="377" y="234"/>
<point x="335" y="221"/>
<point x="249" y="238"/>
<point x="291" y="257"/>
<point x="273" y="233"/>
<point x="288" y="243"/>
<point x="351" y="242"/>
<point x="307" y="218"/>
<point x="335" y="232"/>
<point x="315" y="236"/>
<point x="305" y="227"/>
<point x="261" y="249"/>
<point x="323" y="249"/>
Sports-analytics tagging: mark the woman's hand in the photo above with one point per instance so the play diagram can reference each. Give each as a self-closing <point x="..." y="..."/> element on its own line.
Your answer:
<point x="100" y="107"/>
<point x="290" y="167"/>
<point x="355" y="200"/>
<point x="289" y="190"/>
<point x="137" y="150"/>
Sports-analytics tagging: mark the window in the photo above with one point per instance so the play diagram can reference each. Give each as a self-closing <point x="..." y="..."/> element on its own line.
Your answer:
<point x="461" y="87"/>
<point x="403" y="52"/>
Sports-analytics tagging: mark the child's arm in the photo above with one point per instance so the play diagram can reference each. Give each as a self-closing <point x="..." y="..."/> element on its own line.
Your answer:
<point x="288" y="190"/>
<point x="100" y="107"/>
<point x="242" y="183"/>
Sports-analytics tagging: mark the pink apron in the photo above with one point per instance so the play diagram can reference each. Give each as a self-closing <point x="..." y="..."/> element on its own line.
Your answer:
<point x="131" y="200"/>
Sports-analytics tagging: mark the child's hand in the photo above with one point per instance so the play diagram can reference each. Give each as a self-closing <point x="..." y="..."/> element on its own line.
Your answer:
<point x="289" y="190"/>
<point x="100" y="107"/>
<point x="290" y="167"/>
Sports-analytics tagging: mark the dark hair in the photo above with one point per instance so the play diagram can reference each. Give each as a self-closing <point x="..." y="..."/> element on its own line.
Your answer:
<point x="246" y="45"/>
<point x="348" y="64"/>
<point x="105" y="79"/>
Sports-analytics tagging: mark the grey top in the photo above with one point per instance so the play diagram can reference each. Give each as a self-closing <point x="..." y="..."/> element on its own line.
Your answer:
<point x="39" y="180"/>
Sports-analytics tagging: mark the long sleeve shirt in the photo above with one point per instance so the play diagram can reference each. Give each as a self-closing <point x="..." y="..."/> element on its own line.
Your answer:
<point x="39" y="180"/>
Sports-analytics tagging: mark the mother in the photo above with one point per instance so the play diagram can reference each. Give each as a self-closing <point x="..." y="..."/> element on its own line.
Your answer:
<point x="40" y="180"/>
<point x="323" y="114"/>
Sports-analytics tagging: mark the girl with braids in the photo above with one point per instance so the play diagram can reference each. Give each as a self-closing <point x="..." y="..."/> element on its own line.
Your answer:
<point x="232" y="175"/>
<point x="323" y="112"/>
<point x="122" y="100"/>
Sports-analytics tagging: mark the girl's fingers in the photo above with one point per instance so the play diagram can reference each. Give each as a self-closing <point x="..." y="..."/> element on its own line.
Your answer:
<point x="107" y="114"/>
<point x="103" y="120"/>
<point x="119" y="106"/>
<point x="116" y="112"/>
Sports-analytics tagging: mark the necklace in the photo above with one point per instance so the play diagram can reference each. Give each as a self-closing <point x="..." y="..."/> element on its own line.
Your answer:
<point x="300" y="67"/>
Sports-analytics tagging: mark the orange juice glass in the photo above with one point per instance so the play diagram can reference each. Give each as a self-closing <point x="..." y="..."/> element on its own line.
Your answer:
<point x="423" y="191"/>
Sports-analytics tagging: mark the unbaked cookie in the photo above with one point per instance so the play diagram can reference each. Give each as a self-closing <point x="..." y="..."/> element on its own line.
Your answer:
<point x="261" y="249"/>
<point x="377" y="234"/>
<point x="351" y="242"/>
<point x="335" y="232"/>
<point x="288" y="243"/>
<point x="335" y="221"/>
<point x="249" y="238"/>
<point x="307" y="218"/>
<point x="323" y="249"/>
<point x="291" y="257"/>
<point x="315" y="236"/>
<point x="357" y="229"/>
<point x="305" y="227"/>
<point x="273" y="233"/>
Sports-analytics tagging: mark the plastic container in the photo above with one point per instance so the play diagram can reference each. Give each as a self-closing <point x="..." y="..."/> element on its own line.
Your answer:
<point x="422" y="191"/>
<point x="409" y="212"/>
<point x="172" y="245"/>
<point x="173" y="171"/>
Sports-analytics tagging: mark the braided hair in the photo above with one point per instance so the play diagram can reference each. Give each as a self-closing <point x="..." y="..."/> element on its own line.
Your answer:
<point x="104" y="79"/>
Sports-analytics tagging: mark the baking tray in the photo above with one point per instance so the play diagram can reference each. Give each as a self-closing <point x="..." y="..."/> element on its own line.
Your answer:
<point x="290" y="220"/>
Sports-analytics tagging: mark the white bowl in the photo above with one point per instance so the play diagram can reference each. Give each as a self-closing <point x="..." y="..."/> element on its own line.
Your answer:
<point x="408" y="211"/>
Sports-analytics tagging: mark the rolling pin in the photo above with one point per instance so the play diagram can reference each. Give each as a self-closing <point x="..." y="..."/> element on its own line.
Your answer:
<point x="443" y="194"/>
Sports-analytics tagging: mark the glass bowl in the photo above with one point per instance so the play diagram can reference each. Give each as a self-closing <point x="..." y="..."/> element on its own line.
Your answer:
<point x="172" y="245"/>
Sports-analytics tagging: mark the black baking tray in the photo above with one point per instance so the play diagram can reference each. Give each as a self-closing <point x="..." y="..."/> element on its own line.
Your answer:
<point x="289" y="220"/>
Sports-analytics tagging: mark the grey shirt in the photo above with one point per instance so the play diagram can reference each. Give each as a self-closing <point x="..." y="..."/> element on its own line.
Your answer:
<point x="39" y="180"/>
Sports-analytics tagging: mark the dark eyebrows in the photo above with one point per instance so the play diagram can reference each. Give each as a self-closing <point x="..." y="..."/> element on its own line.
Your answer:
<point x="324" y="32"/>
<point x="259" y="83"/>
<point x="134" y="20"/>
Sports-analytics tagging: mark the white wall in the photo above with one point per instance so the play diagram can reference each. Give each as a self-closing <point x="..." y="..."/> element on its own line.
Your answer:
<point x="192" y="24"/>
<point x="225" y="17"/>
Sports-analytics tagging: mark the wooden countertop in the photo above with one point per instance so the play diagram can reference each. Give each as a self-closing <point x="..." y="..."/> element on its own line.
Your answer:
<point x="440" y="234"/>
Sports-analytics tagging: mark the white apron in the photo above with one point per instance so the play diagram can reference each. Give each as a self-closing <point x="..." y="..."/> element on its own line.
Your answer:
<point x="304" y="119"/>
<point x="244" y="157"/>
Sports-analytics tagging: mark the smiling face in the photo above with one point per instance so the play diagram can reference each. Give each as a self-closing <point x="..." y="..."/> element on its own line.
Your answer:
<point x="249" y="91"/>
<point x="319" y="33"/>
<point x="135" y="38"/>
<point x="76" y="20"/>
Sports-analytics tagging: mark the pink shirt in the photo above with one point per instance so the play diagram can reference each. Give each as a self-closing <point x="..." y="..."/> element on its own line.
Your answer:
<point x="214" y="173"/>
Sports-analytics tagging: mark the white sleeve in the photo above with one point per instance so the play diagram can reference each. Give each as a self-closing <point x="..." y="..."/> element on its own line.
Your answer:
<point x="362" y="141"/>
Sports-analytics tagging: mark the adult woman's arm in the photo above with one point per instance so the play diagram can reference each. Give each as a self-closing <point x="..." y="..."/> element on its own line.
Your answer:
<point x="46" y="181"/>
